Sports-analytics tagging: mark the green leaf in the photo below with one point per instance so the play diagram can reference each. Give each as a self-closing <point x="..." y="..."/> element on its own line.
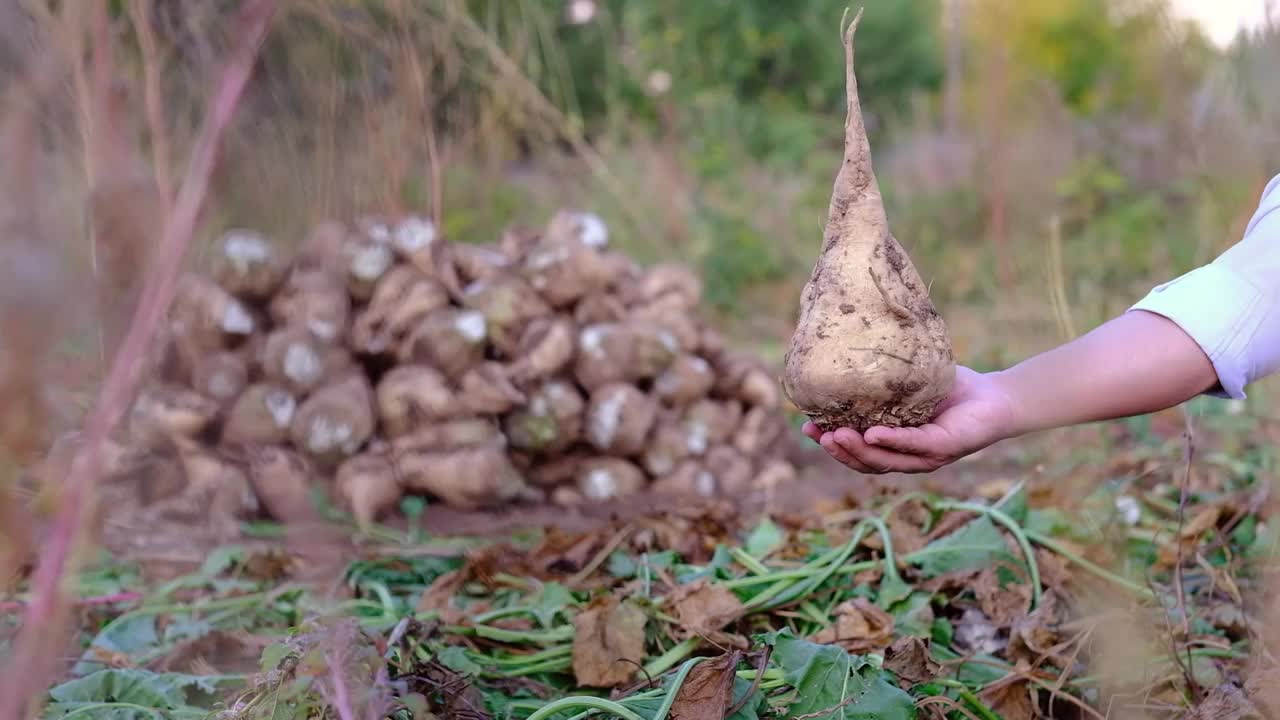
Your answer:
<point x="721" y="559"/>
<point x="158" y="691"/>
<point x="554" y="598"/>
<point x="127" y="635"/>
<point x="750" y="709"/>
<point x="942" y="632"/>
<point x="455" y="658"/>
<point x="826" y="677"/>
<point x="221" y="560"/>
<point x="1052" y="522"/>
<point x="764" y="539"/>
<point x="413" y="506"/>
<point x="1014" y="503"/>
<point x="622" y="565"/>
<point x="663" y="560"/>
<point x="1246" y="532"/>
<point x="977" y="544"/>
<point x="914" y="616"/>
<point x="893" y="590"/>
<point x="272" y="655"/>
<point x="185" y="628"/>
<point x="977" y="670"/>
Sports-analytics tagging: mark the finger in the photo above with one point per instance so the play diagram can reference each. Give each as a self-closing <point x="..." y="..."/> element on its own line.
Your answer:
<point x="880" y="459"/>
<point x="811" y="430"/>
<point x="925" y="440"/>
<point x="834" y="449"/>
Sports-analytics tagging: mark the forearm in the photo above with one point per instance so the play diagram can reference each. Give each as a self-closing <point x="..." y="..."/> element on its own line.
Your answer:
<point x="1135" y="364"/>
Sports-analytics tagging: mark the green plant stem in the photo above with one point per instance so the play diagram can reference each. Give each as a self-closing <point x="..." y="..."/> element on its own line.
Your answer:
<point x="970" y="699"/>
<point x="554" y="665"/>
<point x="537" y="637"/>
<point x="791" y="591"/>
<point x="668" y="659"/>
<point x="748" y="562"/>
<point x="1225" y="653"/>
<point x="586" y="701"/>
<point x="503" y="612"/>
<point x="890" y="567"/>
<point x="85" y="709"/>
<point x="541" y="656"/>
<point x="676" y="684"/>
<point x="1014" y="529"/>
<point x="797" y="573"/>
<point x="1101" y="572"/>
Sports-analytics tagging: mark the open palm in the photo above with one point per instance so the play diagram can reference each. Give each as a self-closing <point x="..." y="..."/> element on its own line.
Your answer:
<point x="977" y="413"/>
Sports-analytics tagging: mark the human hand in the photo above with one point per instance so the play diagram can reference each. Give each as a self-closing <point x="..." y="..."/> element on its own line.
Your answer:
<point x="977" y="413"/>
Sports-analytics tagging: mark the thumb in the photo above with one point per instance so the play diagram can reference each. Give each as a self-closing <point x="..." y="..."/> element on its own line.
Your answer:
<point x="923" y="440"/>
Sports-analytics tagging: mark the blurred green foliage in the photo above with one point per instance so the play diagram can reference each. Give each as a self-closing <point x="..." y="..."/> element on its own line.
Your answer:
<point x="755" y="56"/>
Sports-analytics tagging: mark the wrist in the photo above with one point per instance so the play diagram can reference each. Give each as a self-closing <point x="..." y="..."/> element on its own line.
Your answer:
<point x="1015" y="416"/>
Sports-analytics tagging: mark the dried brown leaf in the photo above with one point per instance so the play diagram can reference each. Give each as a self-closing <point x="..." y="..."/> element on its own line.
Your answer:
<point x="702" y="607"/>
<point x="438" y="597"/>
<point x="1224" y="702"/>
<point x="860" y="627"/>
<point x="949" y="523"/>
<point x="1035" y="636"/>
<point x="909" y="659"/>
<point x="1263" y="687"/>
<point x="950" y="582"/>
<point x="707" y="691"/>
<point x="1003" y="605"/>
<point x="562" y="552"/>
<point x="905" y="529"/>
<point x="1205" y="519"/>
<point x="1054" y="573"/>
<point x="219" y="652"/>
<point x="1011" y="701"/>
<point x="608" y="642"/>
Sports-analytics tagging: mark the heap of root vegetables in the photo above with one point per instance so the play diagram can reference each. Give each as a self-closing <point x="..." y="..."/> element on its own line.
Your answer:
<point x="383" y="360"/>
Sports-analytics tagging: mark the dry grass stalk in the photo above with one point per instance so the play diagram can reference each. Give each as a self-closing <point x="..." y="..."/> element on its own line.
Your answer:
<point x="140" y="17"/>
<point x="35" y="650"/>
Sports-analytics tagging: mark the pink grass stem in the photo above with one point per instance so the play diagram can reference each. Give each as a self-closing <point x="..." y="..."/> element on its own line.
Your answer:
<point x="33" y="657"/>
<point x="112" y="599"/>
<point x="341" y="696"/>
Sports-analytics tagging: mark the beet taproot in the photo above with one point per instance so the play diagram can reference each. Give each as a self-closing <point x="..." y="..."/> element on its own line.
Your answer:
<point x="545" y="348"/>
<point x="619" y="417"/>
<point x="247" y="264"/>
<point x="550" y="422"/>
<point x="447" y="435"/>
<point x="366" y="485"/>
<point x="335" y="421"/>
<point x="316" y="300"/>
<point x="468" y="478"/>
<point x="411" y="395"/>
<point x="220" y="376"/>
<point x="162" y="412"/>
<point x="449" y="339"/>
<point x="281" y="479"/>
<point x="609" y="478"/>
<point x="869" y="346"/>
<point x="294" y="358"/>
<point x="261" y="415"/>
<point x="487" y="390"/>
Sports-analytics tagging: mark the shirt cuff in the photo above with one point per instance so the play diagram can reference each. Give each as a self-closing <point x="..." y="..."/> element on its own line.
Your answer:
<point x="1221" y="312"/>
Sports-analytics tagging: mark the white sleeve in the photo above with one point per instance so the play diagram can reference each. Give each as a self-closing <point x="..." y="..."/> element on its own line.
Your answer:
<point x="1231" y="307"/>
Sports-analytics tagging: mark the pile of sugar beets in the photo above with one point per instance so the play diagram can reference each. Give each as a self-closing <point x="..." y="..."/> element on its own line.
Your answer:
<point x="383" y="360"/>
